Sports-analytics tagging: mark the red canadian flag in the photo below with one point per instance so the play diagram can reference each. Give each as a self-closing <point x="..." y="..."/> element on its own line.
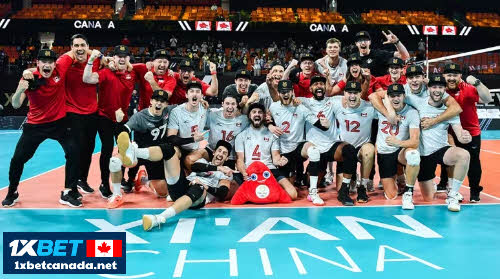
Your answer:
<point x="104" y="248"/>
<point x="224" y="26"/>
<point x="449" y="30"/>
<point x="430" y="30"/>
<point x="203" y="26"/>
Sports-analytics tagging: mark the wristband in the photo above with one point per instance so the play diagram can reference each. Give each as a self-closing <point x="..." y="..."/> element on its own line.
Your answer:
<point x="397" y="42"/>
<point x="213" y="73"/>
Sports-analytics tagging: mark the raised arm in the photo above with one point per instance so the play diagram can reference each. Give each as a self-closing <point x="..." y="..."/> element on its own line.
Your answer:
<point x="19" y="96"/>
<point x="214" y="86"/>
<point x="482" y="90"/>
<point x="393" y="39"/>
<point x="89" y="76"/>
<point x="290" y="67"/>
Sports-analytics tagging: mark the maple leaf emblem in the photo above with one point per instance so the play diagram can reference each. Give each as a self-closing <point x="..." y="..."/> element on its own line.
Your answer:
<point x="430" y="29"/>
<point x="224" y="25"/>
<point x="104" y="248"/>
<point x="448" y="30"/>
<point x="203" y="25"/>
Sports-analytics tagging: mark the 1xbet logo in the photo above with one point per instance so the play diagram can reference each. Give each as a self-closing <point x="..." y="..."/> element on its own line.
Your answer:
<point x="58" y="248"/>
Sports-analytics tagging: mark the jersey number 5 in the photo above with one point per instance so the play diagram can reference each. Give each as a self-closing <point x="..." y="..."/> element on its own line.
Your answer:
<point x="256" y="153"/>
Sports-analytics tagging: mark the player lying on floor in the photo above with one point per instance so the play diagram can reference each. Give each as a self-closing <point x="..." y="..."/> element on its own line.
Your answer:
<point x="186" y="192"/>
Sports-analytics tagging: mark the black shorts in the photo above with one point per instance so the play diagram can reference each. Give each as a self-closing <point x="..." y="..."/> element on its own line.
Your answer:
<point x="328" y="156"/>
<point x="180" y="189"/>
<point x="294" y="158"/>
<point x="155" y="170"/>
<point x="340" y="165"/>
<point x="277" y="174"/>
<point x="429" y="163"/>
<point x="229" y="163"/>
<point x="388" y="164"/>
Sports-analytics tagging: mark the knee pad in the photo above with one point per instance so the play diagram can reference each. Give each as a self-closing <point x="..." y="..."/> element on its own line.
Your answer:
<point x="313" y="154"/>
<point x="350" y="159"/>
<point x="167" y="150"/>
<point x="172" y="180"/>
<point x="195" y="192"/>
<point x="412" y="157"/>
<point x="115" y="164"/>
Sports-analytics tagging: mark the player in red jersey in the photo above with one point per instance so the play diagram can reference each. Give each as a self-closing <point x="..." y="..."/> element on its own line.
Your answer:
<point x="46" y="120"/>
<point x="186" y="74"/>
<point x="395" y="73"/>
<point x="115" y="91"/>
<point x="467" y="94"/>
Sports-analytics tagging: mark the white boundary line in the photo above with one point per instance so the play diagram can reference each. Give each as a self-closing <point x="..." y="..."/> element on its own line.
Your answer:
<point x="489" y="151"/>
<point x="5" y="133"/>
<point x="486" y="194"/>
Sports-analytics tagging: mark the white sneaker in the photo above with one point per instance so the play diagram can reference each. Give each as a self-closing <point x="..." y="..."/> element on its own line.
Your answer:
<point x="353" y="187"/>
<point x="459" y="196"/>
<point x="328" y="178"/>
<point x="127" y="150"/>
<point x="315" y="198"/>
<point x="408" y="201"/>
<point x="169" y="199"/>
<point x="151" y="221"/>
<point x="452" y="201"/>
<point x="369" y="186"/>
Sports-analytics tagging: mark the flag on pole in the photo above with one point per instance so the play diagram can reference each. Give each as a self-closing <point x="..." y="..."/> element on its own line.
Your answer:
<point x="430" y="30"/>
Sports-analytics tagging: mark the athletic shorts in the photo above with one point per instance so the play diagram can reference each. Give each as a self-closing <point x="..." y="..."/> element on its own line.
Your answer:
<point x="327" y="156"/>
<point x="429" y="163"/>
<point x="340" y="165"/>
<point x="229" y="163"/>
<point x="155" y="170"/>
<point x="294" y="158"/>
<point x="388" y="164"/>
<point x="180" y="189"/>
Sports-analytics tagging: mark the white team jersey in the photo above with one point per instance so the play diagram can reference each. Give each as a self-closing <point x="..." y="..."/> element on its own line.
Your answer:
<point x="323" y="140"/>
<point x="415" y="99"/>
<point x="291" y="119"/>
<point x="210" y="178"/>
<point x="264" y="95"/>
<point x="257" y="145"/>
<point x="409" y="120"/>
<point x="187" y="123"/>
<point x="355" y="124"/>
<point x="436" y="137"/>
<point x="224" y="129"/>
<point x="336" y="73"/>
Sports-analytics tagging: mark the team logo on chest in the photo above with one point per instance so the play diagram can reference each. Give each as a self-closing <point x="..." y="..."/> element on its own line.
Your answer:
<point x="364" y="114"/>
<point x="238" y="124"/>
<point x="266" y="139"/>
<point x="57" y="79"/>
<point x="128" y="76"/>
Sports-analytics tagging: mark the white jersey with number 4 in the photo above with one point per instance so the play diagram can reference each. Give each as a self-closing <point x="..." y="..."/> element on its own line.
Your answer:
<point x="291" y="119"/>
<point x="222" y="128"/>
<point x="323" y="140"/>
<point x="257" y="145"/>
<point x="187" y="123"/>
<point x="409" y="120"/>
<point x="355" y="124"/>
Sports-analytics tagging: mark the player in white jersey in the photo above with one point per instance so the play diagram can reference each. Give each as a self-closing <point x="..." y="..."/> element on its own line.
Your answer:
<point x="332" y="64"/>
<point x="188" y="118"/>
<point x="398" y="144"/>
<point x="223" y="123"/>
<point x="257" y="143"/>
<point x="326" y="141"/>
<point x="267" y="92"/>
<point x="435" y="149"/>
<point x="355" y="117"/>
<point x="289" y="127"/>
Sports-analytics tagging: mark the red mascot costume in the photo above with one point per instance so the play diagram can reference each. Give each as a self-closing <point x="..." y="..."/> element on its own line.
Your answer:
<point x="261" y="187"/>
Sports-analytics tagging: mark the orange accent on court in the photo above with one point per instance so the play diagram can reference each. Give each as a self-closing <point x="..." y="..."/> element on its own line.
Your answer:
<point x="44" y="191"/>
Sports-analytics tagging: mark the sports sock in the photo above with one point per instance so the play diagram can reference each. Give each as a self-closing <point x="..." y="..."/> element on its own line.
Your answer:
<point x="346" y="180"/>
<point x="364" y="181"/>
<point x="168" y="213"/>
<point x="455" y="185"/>
<point x="409" y="188"/>
<point x="142" y="153"/>
<point x="313" y="181"/>
<point x="117" y="189"/>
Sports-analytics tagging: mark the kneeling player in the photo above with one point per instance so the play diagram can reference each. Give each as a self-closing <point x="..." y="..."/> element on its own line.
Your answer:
<point x="186" y="192"/>
<point x="355" y="118"/>
<point x="397" y="144"/>
<point x="435" y="149"/>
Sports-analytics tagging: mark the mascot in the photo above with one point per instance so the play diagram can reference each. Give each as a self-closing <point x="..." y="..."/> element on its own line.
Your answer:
<point x="261" y="187"/>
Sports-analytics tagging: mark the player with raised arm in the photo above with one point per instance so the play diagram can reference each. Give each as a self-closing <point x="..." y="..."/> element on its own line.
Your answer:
<point x="289" y="126"/>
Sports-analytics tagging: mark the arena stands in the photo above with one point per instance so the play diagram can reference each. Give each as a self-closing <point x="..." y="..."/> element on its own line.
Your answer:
<point x="59" y="11"/>
<point x="204" y="13"/>
<point x="484" y="19"/>
<point x="309" y="15"/>
<point x="273" y="15"/>
<point x="159" y="13"/>
<point x="405" y="17"/>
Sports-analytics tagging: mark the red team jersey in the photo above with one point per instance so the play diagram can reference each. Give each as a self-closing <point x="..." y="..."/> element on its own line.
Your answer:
<point x="165" y="82"/>
<point x="48" y="102"/>
<point x="115" y="91"/>
<point x="467" y="97"/>
<point x="385" y="81"/>
<point x="374" y="86"/>
<point x="81" y="97"/>
<point x="179" y="94"/>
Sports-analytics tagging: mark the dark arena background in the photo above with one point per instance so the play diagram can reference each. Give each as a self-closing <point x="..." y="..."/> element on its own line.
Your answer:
<point x="373" y="239"/>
